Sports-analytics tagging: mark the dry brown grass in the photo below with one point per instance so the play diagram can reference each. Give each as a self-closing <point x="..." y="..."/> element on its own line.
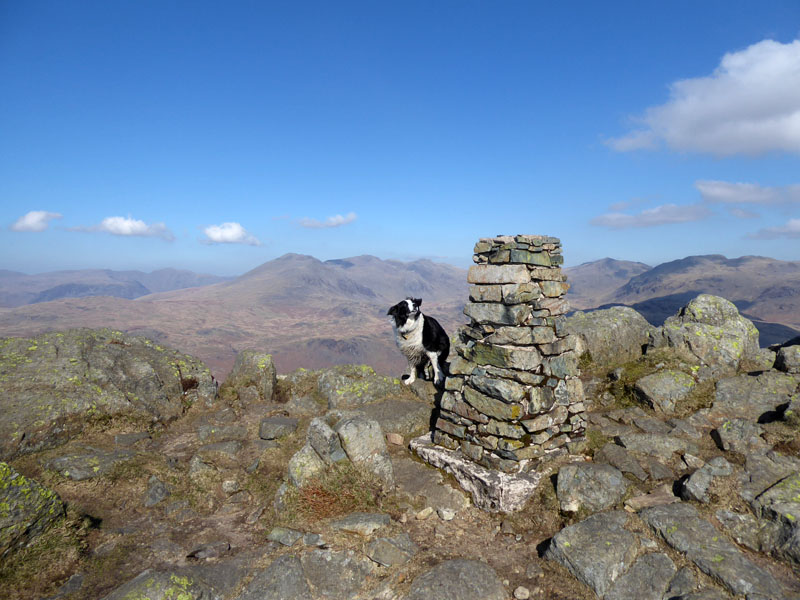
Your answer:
<point x="341" y="490"/>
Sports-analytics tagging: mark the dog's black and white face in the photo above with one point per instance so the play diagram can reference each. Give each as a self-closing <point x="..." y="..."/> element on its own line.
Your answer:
<point x="404" y="311"/>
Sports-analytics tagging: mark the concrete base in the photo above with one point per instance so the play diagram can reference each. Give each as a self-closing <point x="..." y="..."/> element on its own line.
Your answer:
<point x="492" y="491"/>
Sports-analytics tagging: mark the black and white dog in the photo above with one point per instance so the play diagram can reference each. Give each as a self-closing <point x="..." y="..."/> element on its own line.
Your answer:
<point x="420" y="339"/>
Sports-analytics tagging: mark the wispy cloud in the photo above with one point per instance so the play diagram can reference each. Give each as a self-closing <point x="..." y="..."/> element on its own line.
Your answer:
<point x="665" y="214"/>
<point x="129" y="227"/>
<point x="790" y="230"/>
<point x="334" y="221"/>
<point x="741" y="213"/>
<point x="35" y="220"/>
<point x="750" y="105"/>
<point x="747" y="193"/>
<point x="229" y="233"/>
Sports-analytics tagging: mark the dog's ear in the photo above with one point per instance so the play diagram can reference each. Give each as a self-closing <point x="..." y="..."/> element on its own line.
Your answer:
<point x="417" y="302"/>
<point x="392" y="311"/>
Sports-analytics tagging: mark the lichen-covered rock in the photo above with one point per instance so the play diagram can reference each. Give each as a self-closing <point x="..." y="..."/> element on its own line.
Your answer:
<point x="589" y="486"/>
<point x="352" y="386"/>
<point x="336" y="574"/>
<point x="163" y="585"/>
<point x="304" y="466"/>
<point x="363" y="442"/>
<point x="254" y="369"/>
<point x="712" y="329"/>
<point x="664" y="390"/>
<point x="53" y="383"/>
<point x="754" y="397"/>
<point x="88" y="462"/>
<point x="610" y="336"/>
<point x="780" y="506"/>
<point x="597" y="550"/>
<point x="27" y="509"/>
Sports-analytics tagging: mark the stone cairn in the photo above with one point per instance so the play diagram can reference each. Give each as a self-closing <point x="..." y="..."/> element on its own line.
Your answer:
<point x="513" y="394"/>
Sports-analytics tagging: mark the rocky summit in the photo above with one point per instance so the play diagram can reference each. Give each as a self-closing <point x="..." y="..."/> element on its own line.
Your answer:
<point x="129" y="473"/>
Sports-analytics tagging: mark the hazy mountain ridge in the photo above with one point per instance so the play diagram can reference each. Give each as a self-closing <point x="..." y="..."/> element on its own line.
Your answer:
<point x="307" y="312"/>
<point x="766" y="290"/>
<point x="19" y="289"/>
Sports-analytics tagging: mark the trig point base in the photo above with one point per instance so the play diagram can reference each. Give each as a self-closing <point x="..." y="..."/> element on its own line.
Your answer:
<point x="513" y="397"/>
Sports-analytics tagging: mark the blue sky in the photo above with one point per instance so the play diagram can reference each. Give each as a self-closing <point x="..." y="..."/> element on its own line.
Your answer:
<point x="215" y="136"/>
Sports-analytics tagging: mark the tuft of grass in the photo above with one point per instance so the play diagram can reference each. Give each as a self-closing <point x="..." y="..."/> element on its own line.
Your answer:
<point x="341" y="490"/>
<point x="36" y="570"/>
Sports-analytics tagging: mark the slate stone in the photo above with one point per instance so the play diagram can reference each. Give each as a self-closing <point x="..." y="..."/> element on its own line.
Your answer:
<point x="163" y="585"/>
<point x="405" y="417"/>
<point x="762" y="471"/>
<point x="619" y="457"/>
<point x="283" y="579"/>
<point x="272" y="428"/>
<point x="589" y="486"/>
<point x="391" y="552"/>
<point x="739" y="435"/>
<point x="745" y="530"/>
<point x="88" y="463"/>
<point x="362" y="523"/>
<point x="458" y="579"/>
<point x="157" y="491"/>
<point x="325" y="442"/>
<point x="210" y="550"/>
<point x="681" y="527"/>
<point x="755" y="398"/>
<point x="683" y="583"/>
<point x="705" y="594"/>
<point x="27" y="509"/>
<point x="779" y="505"/>
<point x="788" y="359"/>
<point x="650" y="424"/>
<point x="647" y="579"/>
<point x="696" y="486"/>
<point x="230" y="448"/>
<point x="659" y="445"/>
<point x="596" y="550"/>
<point x="657" y="470"/>
<point x="129" y="439"/>
<point x="664" y="390"/>
<point x="338" y="575"/>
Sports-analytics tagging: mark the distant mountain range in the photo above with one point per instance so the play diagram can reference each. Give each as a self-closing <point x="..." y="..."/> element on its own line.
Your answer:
<point x="307" y="312"/>
<point x="311" y="313"/>
<point x="765" y="290"/>
<point x="18" y="289"/>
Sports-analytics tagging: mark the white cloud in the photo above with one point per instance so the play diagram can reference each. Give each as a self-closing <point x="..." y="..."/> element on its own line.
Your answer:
<point x="790" y="230"/>
<point x="747" y="193"/>
<point x="334" y="221"/>
<point x="750" y="104"/>
<point x="128" y="226"/>
<point x="660" y="215"/>
<point x="35" y="220"/>
<point x="741" y="213"/>
<point x="229" y="233"/>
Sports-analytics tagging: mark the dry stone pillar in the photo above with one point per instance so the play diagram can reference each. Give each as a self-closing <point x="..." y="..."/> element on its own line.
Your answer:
<point x="513" y="396"/>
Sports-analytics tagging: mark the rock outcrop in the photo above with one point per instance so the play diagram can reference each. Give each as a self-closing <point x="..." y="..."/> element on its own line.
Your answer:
<point x="54" y="382"/>
<point x="610" y="336"/>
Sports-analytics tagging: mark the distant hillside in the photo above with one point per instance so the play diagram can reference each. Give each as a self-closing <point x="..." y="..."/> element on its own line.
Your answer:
<point x="307" y="312"/>
<point x="590" y="282"/>
<point x="18" y="289"/>
<point x="764" y="289"/>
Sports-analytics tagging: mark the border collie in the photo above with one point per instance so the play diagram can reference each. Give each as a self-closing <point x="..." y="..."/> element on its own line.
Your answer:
<point x="420" y="339"/>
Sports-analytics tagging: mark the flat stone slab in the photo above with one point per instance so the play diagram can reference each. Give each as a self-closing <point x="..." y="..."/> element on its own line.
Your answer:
<point x="458" y="579"/>
<point x="492" y="491"/>
<point x="88" y="463"/>
<point x="597" y="550"/>
<point x="681" y="526"/>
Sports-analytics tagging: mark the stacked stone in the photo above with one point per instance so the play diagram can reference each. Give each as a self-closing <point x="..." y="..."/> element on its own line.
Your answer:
<point x="513" y="393"/>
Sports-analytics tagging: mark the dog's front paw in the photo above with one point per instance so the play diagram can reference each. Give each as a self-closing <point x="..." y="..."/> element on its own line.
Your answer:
<point x="409" y="379"/>
<point x="439" y="381"/>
